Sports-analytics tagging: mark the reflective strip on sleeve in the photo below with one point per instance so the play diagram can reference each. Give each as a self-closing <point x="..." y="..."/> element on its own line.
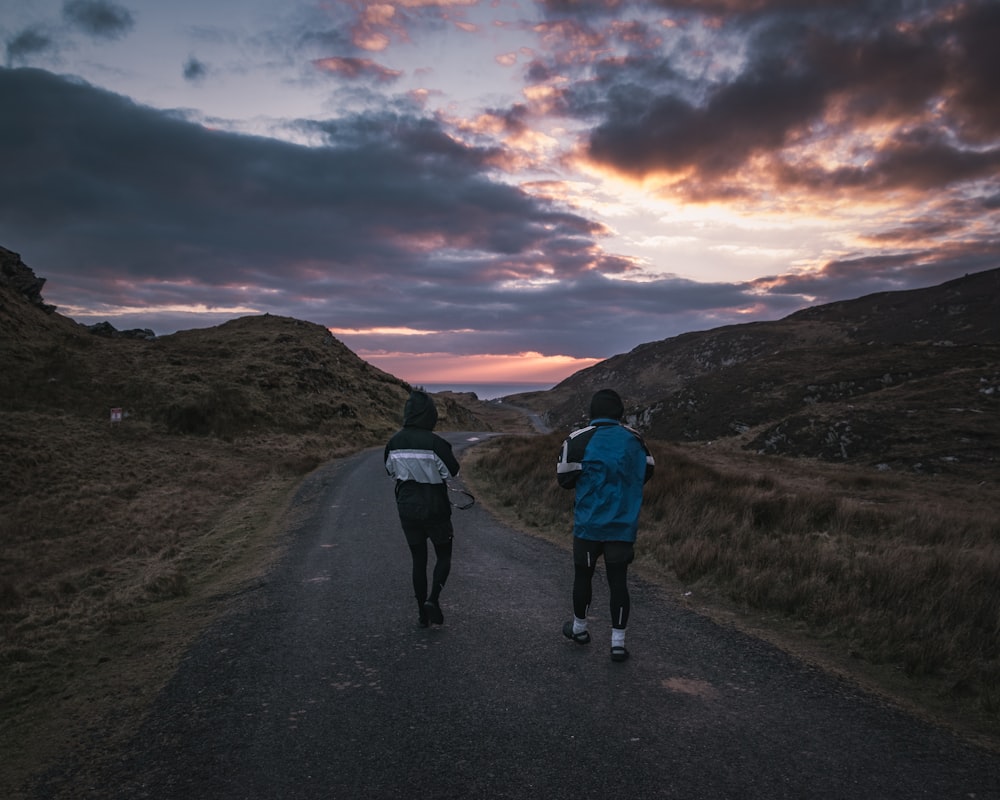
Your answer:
<point x="423" y="466"/>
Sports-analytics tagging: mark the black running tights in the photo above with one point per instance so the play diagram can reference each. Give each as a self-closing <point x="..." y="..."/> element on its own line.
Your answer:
<point x="621" y="603"/>
<point x="442" y="566"/>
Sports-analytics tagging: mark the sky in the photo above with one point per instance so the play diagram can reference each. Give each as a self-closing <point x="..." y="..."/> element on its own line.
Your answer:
<point x="495" y="191"/>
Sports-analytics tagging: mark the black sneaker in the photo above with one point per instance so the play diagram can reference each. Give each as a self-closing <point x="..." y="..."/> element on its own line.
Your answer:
<point x="433" y="612"/>
<point x="422" y="619"/>
<point x="619" y="653"/>
<point x="579" y="638"/>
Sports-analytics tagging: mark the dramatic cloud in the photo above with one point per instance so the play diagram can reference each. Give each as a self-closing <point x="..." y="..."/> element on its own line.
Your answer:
<point x="27" y="43"/>
<point x="392" y="223"/>
<point x="481" y="185"/>
<point x="357" y="68"/>
<point x="872" y="104"/>
<point x="195" y="70"/>
<point x="98" y="18"/>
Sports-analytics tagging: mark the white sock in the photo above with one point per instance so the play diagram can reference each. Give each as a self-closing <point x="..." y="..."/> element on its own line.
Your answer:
<point x="579" y="625"/>
<point x="617" y="637"/>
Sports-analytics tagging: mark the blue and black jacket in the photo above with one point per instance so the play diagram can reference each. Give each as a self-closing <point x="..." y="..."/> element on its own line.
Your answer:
<point x="608" y="464"/>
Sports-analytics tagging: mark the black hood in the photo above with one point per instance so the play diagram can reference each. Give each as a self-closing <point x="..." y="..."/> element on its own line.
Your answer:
<point x="419" y="412"/>
<point x="606" y="404"/>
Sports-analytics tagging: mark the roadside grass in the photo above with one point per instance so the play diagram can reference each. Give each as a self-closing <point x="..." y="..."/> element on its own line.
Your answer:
<point x="115" y="542"/>
<point x="893" y="571"/>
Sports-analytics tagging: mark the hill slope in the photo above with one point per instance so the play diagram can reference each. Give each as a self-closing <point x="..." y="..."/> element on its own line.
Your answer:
<point x="255" y="373"/>
<point x="904" y="379"/>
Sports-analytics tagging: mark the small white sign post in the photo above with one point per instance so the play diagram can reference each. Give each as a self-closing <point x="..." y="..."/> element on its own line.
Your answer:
<point x="116" y="415"/>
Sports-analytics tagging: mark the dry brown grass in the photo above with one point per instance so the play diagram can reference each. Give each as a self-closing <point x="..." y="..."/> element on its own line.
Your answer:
<point x="896" y="577"/>
<point x="117" y="543"/>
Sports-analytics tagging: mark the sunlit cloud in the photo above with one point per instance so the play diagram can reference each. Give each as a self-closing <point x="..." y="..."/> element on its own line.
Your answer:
<point x="357" y="68"/>
<point x="380" y="331"/>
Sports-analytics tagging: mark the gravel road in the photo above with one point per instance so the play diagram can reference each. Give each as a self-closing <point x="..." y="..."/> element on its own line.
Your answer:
<point x="320" y="685"/>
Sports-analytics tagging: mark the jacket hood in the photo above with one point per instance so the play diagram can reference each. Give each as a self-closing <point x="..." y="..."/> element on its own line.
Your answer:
<point x="419" y="411"/>
<point x="606" y="404"/>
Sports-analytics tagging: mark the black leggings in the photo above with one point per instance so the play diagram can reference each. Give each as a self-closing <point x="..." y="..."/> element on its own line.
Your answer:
<point x="585" y="562"/>
<point x="417" y="535"/>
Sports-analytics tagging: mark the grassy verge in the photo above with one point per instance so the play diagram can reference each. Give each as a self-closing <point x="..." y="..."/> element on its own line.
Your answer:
<point x="892" y="579"/>
<point x="119" y="546"/>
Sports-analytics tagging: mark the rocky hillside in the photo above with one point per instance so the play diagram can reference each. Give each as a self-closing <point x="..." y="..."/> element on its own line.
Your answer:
<point x="897" y="380"/>
<point x="257" y="373"/>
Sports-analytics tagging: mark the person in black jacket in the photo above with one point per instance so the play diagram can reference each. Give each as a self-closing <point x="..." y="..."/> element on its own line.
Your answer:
<point x="421" y="462"/>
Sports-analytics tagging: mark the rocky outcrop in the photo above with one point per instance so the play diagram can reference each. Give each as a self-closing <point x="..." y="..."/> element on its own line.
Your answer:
<point x="16" y="275"/>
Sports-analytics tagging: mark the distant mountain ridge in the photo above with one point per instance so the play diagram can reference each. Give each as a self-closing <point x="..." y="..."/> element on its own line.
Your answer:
<point x="907" y="379"/>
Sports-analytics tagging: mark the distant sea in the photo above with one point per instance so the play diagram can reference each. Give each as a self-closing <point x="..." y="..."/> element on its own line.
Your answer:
<point x="486" y="391"/>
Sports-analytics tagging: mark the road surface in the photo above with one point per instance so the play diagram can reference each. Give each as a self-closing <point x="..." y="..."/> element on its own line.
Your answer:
<point x="321" y="686"/>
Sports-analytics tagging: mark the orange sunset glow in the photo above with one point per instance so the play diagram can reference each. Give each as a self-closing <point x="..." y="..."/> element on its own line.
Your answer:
<point x="420" y="368"/>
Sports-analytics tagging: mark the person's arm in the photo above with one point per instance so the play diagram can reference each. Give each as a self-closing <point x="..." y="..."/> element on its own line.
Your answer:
<point x="443" y="451"/>
<point x="570" y="456"/>
<point x="650" y="464"/>
<point x="388" y="463"/>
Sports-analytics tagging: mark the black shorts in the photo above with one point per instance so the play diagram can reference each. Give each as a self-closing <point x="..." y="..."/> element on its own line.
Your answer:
<point x="586" y="552"/>
<point x="439" y="531"/>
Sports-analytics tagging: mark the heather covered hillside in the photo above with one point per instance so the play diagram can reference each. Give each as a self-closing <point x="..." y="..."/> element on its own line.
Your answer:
<point x="898" y="380"/>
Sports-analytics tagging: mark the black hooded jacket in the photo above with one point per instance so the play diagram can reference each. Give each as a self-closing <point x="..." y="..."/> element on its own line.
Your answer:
<point x="420" y="461"/>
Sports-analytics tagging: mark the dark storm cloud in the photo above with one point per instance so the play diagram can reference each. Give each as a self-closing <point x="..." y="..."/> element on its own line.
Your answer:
<point x="854" y="277"/>
<point x="27" y="43"/>
<point x="917" y="232"/>
<point x="593" y="8"/>
<point x="750" y="7"/>
<point x="392" y="223"/>
<point x="973" y="73"/>
<point x="644" y="134"/>
<point x="588" y="316"/>
<point x="808" y="71"/>
<point x="99" y="18"/>
<point x="194" y="70"/>
<point x="920" y="160"/>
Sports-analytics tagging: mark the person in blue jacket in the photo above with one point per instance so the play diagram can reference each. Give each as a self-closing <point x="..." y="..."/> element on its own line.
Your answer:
<point x="607" y="463"/>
